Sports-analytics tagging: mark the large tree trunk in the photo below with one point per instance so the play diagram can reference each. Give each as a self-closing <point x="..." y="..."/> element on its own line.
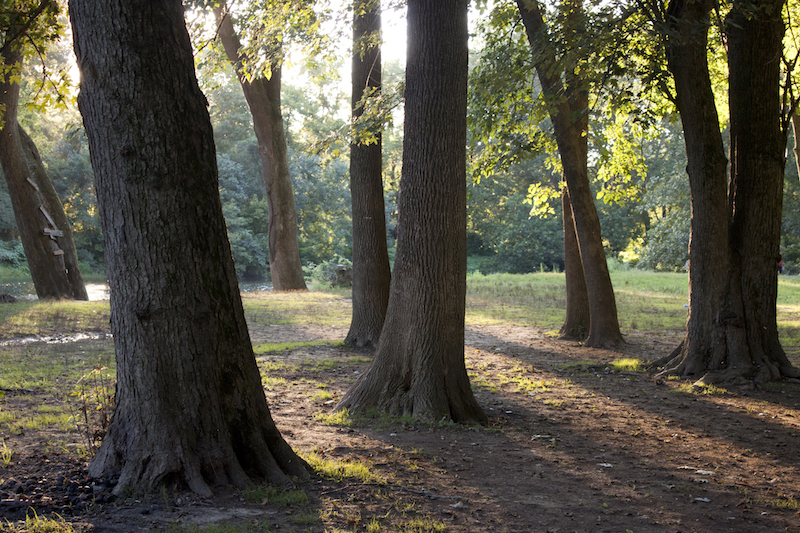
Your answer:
<point x="371" y="273"/>
<point x="758" y="144"/>
<point x="419" y="367"/>
<point x="263" y="95"/>
<point x="571" y="124"/>
<point x="732" y="326"/>
<point x="687" y="60"/>
<point x="190" y="407"/>
<point x="43" y="227"/>
<point x="577" y="318"/>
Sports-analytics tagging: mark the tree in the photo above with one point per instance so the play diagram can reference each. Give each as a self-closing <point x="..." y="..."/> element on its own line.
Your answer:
<point x="419" y="367"/>
<point x="566" y="93"/>
<point x="263" y="94"/>
<point x="732" y="328"/>
<point x="371" y="274"/>
<point x="190" y="407"/>
<point x="44" y="230"/>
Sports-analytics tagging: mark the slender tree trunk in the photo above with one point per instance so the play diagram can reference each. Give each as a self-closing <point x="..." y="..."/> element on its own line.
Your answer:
<point x="571" y="124"/>
<point x="190" y="407"/>
<point x="577" y="319"/>
<point x="419" y="367"/>
<point x="263" y="96"/>
<point x="371" y="274"/>
<point x="43" y="227"/>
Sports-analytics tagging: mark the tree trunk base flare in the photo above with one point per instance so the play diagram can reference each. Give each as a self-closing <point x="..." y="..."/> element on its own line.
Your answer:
<point x="750" y="368"/>
<point x="146" y="462"/>
<point x="431" y="395"/>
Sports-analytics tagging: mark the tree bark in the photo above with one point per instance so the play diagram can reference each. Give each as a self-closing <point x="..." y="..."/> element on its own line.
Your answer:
<point x="263" y="96"/>
<point x="190" y="408"/>
<point x="758" y="144"/>
<point x="371" y="273"/>
<point x="43" y="227"/>
<point x="577" y="318"/>
<point x="732" y="326"/>
<point x="571" y="125"/>
<point x="419" y="367"/>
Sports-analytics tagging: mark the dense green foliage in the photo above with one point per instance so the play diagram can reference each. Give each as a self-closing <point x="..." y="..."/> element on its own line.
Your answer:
<point x="514" y="209"/>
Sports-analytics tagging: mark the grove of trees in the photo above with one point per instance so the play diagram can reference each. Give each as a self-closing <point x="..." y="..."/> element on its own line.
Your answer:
<point x="580" y="133"/>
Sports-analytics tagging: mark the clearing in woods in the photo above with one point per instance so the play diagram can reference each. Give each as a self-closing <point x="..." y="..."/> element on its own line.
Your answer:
<point x="578" y="439"/>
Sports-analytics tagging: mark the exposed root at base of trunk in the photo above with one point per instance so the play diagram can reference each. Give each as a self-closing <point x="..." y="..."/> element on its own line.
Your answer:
<point x="751" y="376"/>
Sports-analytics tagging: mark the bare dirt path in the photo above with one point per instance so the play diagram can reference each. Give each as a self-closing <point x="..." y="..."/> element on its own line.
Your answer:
<point x="573" y="444"/>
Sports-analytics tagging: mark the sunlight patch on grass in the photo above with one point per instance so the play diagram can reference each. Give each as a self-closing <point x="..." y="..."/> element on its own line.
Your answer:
<point x="325" y="308"/>
<point x="699" y="388"/>
<point x="628" y="364"/>
<point x="34" y="523"/>
<point x="42" y="318"/>
<point x="338" y="470"/>
<point x="275" y="347"/>
<point x="271" y="383"/>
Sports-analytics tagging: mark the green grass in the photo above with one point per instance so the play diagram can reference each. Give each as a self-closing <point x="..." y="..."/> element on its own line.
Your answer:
<point x="277" y="347"/>
<point x="369" y="417"/>
<point x="650" y="300"/>
<point x="339" y="470"/>
<point x="699" y="388"/>
<point x="43" y="318"/>
<point x="328" y="308"/>
<point x="628" y="364"/>
<point x="34" y="523"/>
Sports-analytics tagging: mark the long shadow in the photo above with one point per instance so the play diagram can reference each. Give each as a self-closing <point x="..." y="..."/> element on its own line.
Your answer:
<point x="699" y="458"/>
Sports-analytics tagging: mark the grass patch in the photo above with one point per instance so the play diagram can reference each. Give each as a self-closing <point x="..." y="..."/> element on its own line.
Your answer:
<point x="38" y="524"/>
<point x="369" y="417"/>
<point x="51" y="317"/>
<point x="341" y="418"/>
<point x="271" y="494"/>
<point x="338" y="470"/>
<point x="788" y="503"/>
<point x="422" y="525"/>
<point x="272" y="383"/>
<point x="327" y="308"/>
<point x="699" y="388"/>
<point x="628" y="364"/>
<point x="277" y="347"/>
<point x="578" y="367"/>
<point x="322" y="396"/>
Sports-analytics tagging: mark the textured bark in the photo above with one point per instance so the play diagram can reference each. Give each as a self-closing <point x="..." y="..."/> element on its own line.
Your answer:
<point x="757" y="148"/>
<point x="419" y="367"/>
<point x="732" y="327"/>
<point x="571" y="124"/>
<point x="43" y="227"/>
<point x="577" y="318"/>
<point x="263" y="96"/>
<point x="706" y="167"/>
<point x="371" y="273"/>
<point x="190" y="408"/>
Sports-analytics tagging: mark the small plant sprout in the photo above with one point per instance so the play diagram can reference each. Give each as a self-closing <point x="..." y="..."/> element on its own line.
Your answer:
<point x="5" y="455"/>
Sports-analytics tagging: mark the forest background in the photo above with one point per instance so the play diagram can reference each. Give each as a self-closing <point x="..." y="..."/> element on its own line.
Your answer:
<point x="637" y="168"/>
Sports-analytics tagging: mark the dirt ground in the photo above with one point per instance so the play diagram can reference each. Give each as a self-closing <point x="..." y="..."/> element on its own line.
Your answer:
<point x="572" y="445"/>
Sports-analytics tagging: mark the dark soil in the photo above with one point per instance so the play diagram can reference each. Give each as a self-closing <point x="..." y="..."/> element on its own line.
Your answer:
<point x="572" y="445"/>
